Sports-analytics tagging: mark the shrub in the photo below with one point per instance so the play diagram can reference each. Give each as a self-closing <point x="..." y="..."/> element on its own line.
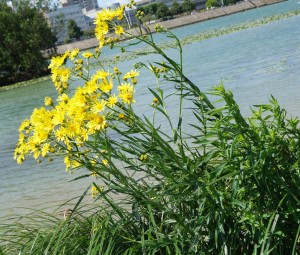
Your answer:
<point x="212" y="3"/>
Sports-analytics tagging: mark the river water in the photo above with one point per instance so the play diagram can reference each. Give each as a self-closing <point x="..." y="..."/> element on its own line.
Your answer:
<point x="254" y="64"/>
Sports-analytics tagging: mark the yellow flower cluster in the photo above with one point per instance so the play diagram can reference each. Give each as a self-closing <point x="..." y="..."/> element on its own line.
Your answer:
<point x="60" y="73"/>
<point x="67" y="124"/>
<point x="70" y="121"/>
<point x="96" y="190"/>
<point x="106" y="20"/>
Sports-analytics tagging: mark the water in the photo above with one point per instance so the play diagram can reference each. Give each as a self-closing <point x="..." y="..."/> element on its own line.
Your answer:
<point x="253" y="64"/>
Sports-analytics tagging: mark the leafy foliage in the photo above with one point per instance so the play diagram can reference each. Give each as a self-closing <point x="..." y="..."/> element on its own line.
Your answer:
<point x="188" y="5"/>
<point x="212" y="3"/>
<point x="161" y="10"/>
<point x="26" y="41"/>
<point x="175" y="8"/>
<point x="73" y="30"/>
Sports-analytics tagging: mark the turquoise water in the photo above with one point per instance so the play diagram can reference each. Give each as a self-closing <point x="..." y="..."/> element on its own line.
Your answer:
<point x="253" y="64"/>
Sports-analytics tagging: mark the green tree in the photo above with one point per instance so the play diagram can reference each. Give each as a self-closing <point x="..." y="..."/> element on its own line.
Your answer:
<point x="229" y="2"/>
<point x="26" y="41"/>
<point x="188" y="5"/>
<point x="175" y="8"/>
<point x="149" y="8"/>
<point x="162" y="11"/>
<point x="73" y="30"/>
<point x="212" y="3"/>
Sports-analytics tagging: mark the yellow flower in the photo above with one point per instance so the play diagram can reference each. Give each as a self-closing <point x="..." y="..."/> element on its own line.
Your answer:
<point x="119" y="12"/>
<point x="63" y="98"/>
<point x="101" y="75"/>
<point x="39" y="137"/>
<point x="45" y="149"/>
<point x="72" y="129"/>
<point x="119" y="30"/>
<point x="105" y="162"/>
<point x="105" y="15"/>
<point x="57" y="61"/>
<point x="127" y="97"/>
<point x="87" y="54"/>
<point x="24" y="125"/>
<point x="116" y="70"/>
<point x="131" y="74"/>
<point x="106" y="86"/>
<point x="60" y="134"/>
<point x="74" y="53"/>
<point x="97" y="122"/>
<point x="60" y="77"/>
<point x="91" y="86"/>
<point x="99" y="106"/>
<point x="155" y="101"/>
<point x="125" y="87"/>
<point x="112" y="100"/>
<point x="94" y="191"/>
<point x="48" y="101"/>
<point x="159" y="28"/>
<point x="67" y="162"/>
<point x="58" y="116"/>
<point x="143" y="157"/>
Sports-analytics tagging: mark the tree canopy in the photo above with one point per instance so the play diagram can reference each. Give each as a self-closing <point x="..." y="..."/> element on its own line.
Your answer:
<point x="26" y="41"/>
<point x="161" y="10"/>
<point x="73" y="30"/>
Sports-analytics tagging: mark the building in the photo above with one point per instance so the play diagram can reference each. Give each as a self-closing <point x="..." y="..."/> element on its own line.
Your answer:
<point x="59" y="20"/>
<point x="114" y="6"/>
<point x="130" y="17"/>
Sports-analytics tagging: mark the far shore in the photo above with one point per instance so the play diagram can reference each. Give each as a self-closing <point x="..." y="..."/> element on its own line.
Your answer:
<point x="195" y="17"/>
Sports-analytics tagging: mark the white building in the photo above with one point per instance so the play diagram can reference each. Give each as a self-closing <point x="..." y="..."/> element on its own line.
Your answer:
<point x="59" y="20"/>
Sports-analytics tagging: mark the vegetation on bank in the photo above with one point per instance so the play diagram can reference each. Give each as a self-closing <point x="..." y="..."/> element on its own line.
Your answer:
<point x="217" y="184"/>
<point x="161" y="11"/>
<point x="26" y="42"/>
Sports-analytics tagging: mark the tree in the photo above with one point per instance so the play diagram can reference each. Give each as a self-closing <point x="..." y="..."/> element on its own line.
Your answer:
<point x="26" y="41"/>
<point x="212" y="3"/>
<point x="175" y="8"/>
<point x="188" y="5"/>
<point x="149" y="8"/>
<point x="162" y="11"/>
<point x="73" y="30"/>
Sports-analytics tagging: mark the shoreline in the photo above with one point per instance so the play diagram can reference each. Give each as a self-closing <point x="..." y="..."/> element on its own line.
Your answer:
<point x="180" y="21"/>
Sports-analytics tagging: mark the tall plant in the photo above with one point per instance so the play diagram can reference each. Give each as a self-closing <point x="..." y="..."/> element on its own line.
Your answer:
<point x="230" y="185"/>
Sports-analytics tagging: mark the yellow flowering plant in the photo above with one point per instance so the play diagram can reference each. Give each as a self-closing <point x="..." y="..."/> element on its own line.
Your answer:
<point x="182" y="192"/>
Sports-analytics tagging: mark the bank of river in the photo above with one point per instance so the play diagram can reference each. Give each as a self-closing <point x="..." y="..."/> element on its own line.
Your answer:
<point x="181" y="21"/>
